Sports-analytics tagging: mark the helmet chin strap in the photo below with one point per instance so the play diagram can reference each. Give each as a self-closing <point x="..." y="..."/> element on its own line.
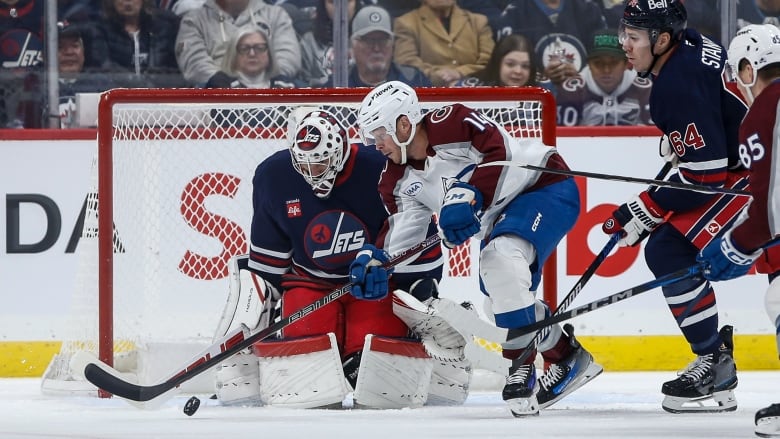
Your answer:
<point x="404" y="145"/>
<point x="645" y="74"/>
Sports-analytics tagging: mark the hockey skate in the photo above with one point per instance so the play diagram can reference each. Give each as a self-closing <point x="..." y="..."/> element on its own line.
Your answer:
<point x="709" y="379"/>
<point x="564" y="377"/>
<point x="520" y="390"/>
<point x="768" y="421"/>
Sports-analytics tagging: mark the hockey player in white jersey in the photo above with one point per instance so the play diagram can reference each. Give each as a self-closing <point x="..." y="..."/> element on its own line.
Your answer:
<point x="434" y="166"/>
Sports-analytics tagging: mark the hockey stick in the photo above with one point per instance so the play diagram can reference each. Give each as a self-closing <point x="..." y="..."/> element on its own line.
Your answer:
<point x="573" y="293"/>
<point x="685" y="273"/>
<point x="659" y="183"/>
<point x="111" y="380"/>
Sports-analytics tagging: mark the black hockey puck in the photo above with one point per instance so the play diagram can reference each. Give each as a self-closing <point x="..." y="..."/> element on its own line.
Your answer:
<point x="191" y="406"/>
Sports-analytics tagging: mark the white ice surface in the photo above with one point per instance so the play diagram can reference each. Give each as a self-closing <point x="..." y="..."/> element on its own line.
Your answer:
<point x="615" y="405"/>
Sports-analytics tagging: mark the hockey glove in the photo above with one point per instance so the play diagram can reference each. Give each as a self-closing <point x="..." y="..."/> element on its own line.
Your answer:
<point x="458" y="220"/>
<point x="723" y="260"/>
<point x="634" y="220"/>
<point x="368" y="276"/>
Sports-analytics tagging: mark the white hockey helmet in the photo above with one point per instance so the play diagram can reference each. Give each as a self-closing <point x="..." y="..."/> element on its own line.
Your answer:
<point x="759" y="44"/>
<point x="382" y="107"/>
<point x="319" y="148"/>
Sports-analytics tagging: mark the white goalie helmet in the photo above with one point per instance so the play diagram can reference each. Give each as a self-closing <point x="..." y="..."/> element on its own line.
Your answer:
<point x="759" y="44"/>
<point x="382" y="107"/>
<point x="319" y="148"/>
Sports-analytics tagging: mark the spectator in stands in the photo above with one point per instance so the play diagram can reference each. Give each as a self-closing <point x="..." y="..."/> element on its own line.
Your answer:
<point x="86" y="13"/>
<point x="492" y="9"/>
<point x="21" y="52"/>
<point x="512" y="64"/>
<point x="250" y="64"/>
<point x="558" y="29"/>
<point x="372" y="49"/>
<point x="317" y="45"/>
<point x="73" y="79"/>
<point x="444" y="41"/>
<point x="606" y="92"/>
<point x="139" y="39"/>
<point x="203" y="35"/>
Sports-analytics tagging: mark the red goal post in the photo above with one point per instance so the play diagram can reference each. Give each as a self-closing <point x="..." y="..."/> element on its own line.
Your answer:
<point x="186" y="157"/>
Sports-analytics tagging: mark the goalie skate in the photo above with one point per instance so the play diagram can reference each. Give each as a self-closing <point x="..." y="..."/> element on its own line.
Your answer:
<point x="707" y="384"/>
<point x="768" y="421"/>
<point x="564" y="377"/>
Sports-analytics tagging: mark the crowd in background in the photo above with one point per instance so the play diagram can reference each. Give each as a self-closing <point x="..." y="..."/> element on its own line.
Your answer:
<point x="567" y="46"/>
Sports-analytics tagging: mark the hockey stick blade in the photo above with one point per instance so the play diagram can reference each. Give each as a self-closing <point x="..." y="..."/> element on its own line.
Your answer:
<point x="573" y="293"/>
<point x="658" y="183"/>
<point x="112" y="381"/>
<point x="668" y="279"/>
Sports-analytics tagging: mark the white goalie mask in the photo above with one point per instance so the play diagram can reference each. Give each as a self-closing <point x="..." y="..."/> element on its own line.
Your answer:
<point x="319" y="149"/>
<point x="382" y="107"/>
<point x="759" y="44"/>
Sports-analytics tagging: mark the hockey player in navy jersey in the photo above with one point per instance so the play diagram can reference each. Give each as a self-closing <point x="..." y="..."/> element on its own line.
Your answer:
<point x="315" y="205"/>
<point x="434" y="167"/>
<point x="754" y="58"/>
<point x="699" y="117"/>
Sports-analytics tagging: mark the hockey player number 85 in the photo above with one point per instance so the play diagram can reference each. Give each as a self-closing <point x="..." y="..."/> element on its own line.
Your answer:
<point x="752" y="152"/>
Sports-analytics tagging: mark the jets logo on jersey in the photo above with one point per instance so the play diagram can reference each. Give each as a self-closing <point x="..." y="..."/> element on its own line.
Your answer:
<point x="19" y="49"/>
<point x="308" y="138"/>
<point x="333" y="239"/>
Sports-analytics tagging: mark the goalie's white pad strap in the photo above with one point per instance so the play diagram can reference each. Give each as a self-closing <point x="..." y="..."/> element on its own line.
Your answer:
<point x="238" y="380"/>
<point x="250" y="301"/>
<point x="393" y="374"/>
<point x="450" y="383"/>
<point x="302" y="373"/>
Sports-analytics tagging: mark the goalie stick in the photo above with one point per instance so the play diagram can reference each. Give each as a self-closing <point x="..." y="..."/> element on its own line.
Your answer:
<point x="685" y="273"/>
<point x="573" y="293"/>
<point x="111" y="380"/>
<point x="656" y="182"/>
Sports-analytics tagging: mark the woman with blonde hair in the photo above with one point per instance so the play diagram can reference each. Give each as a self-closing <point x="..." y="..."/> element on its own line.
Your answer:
<point x="248" y="61"/>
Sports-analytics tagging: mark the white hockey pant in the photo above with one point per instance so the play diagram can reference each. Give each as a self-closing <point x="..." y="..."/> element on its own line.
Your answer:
<point x="504" y="267"/>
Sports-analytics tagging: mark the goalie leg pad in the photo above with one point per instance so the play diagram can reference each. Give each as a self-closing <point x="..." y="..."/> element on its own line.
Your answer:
<point x="251" y="300"/>
<point x="393" y="374"/>
<point x="238" y="380"/>
<point x="302" y="373"/>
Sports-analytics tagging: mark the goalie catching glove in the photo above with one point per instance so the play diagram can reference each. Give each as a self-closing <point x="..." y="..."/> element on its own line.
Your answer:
<point x="634" y="220"/>
<point x="459" y="216"/>
<point x="723" y="260"/>
<point x="369" y="278"/>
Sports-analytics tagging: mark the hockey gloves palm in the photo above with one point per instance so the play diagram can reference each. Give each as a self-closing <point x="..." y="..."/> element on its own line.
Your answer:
<point x="723" y="260"/>
<point x="458" y="220"/>
<point x="368" y="276"/>
<point x="634" y="220"/>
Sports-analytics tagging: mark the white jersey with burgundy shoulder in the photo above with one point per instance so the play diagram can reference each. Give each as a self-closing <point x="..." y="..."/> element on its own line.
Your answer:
<point x="459" y="139"/>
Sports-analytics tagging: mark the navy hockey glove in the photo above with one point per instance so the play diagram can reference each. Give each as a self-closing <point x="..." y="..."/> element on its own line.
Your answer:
<point x="368" y="276"/>
<point x="458" y="220"/>
<point x="634" y="220"/>
<point x="723" y="260"/>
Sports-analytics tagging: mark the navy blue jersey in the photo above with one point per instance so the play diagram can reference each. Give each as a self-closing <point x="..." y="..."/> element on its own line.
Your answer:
<point x="691" y="103"/>
<point x="294" y="231"/>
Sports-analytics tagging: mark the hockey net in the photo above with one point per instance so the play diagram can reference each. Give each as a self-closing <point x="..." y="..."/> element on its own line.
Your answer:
<point x="174" y="178"/>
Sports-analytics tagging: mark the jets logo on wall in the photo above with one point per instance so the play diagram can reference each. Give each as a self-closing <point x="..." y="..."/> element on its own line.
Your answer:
<point x="561" y="47"/>
<point x="333" y="239"/>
